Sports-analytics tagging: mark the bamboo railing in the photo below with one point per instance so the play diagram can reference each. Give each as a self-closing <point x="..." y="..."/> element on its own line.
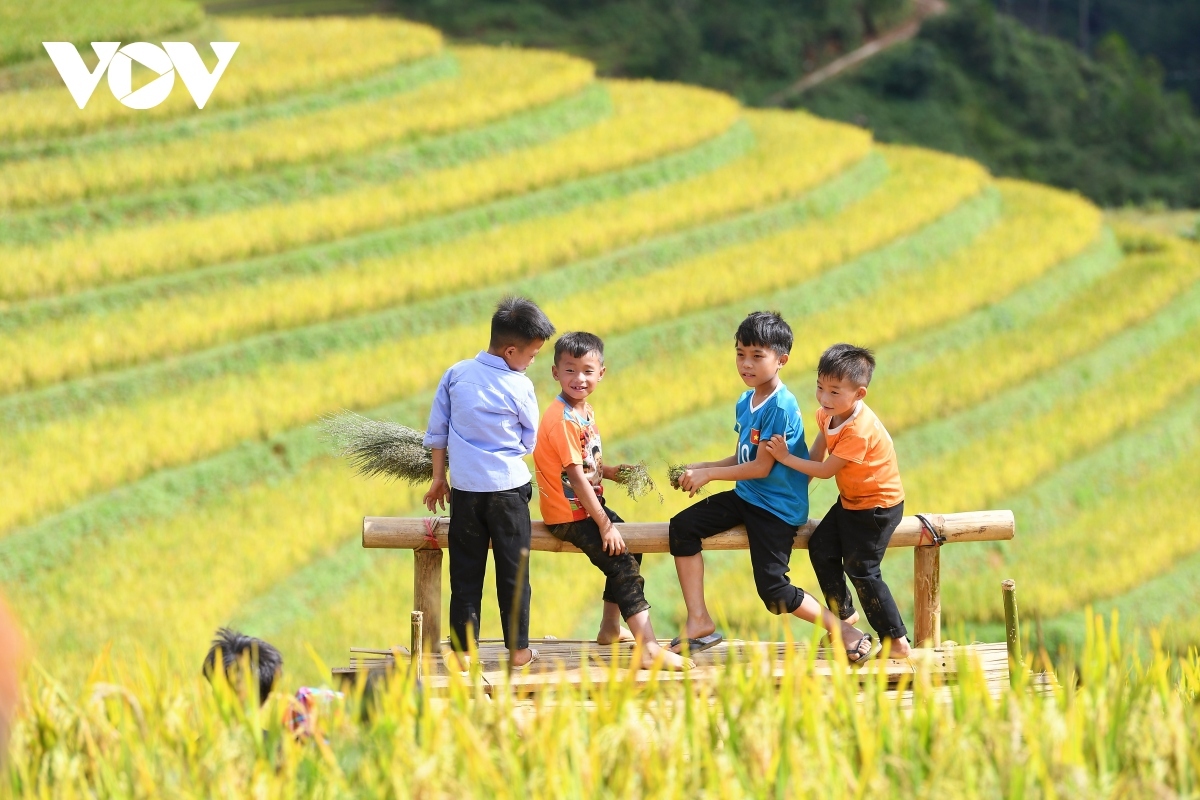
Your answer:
<point x="420" y="535"/>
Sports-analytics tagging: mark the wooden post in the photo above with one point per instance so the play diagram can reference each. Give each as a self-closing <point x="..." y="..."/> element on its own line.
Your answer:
<point x="1012" y="628"/>
<point x="417" y="646"/>
<point x="927" y="595"/>
<point x="427" y="594"/>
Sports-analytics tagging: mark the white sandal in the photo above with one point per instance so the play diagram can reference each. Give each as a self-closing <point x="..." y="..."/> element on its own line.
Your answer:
<point x="533" y="656"/>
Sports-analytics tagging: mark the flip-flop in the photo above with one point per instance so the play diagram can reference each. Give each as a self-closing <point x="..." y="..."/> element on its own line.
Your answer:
<point x="699" y="645"/>
<point x="855" y="655"/>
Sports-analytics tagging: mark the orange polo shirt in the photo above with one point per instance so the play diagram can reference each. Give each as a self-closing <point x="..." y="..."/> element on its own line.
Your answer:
<point x="871" y="476"/>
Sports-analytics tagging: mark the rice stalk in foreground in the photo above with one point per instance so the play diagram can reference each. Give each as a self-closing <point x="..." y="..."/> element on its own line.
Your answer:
<point x="1112" y="720"/>
<point x="376" y="447"/>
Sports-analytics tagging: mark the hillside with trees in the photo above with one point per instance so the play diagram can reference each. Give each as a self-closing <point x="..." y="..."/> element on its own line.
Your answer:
<point x="1081" y="94"/>
<point x="979" y="83"/>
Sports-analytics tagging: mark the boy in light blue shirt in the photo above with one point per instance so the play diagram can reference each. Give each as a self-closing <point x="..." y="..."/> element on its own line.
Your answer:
<point x="484" y="422"/>
<point x="770" y="499"/>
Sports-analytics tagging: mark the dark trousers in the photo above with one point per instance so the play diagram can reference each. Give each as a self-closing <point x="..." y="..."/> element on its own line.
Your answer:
<point x="851" y="544"/>
<point x="771" y="540"/>
<point x="624" y="584"/>
<point x="477" y="520"/>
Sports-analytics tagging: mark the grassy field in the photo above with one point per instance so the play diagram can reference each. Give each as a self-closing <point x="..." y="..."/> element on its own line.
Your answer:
<point x="1129" y="731"/>
<point x="183" y="295"/>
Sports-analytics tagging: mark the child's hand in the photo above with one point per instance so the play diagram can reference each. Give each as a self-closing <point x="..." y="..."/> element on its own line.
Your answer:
<point x="777" y="446"/>
<point x="439" y="492"/>
<point x="614" y="543"/>
<point x="693" y="480"/>
<point x="617" y="474"/>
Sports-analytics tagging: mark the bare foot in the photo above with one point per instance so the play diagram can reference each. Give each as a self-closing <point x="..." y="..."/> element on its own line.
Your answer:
<point x="898" y="649"/>
<point x="519" y="658"/>
<point x="664" y="658"/>
<point x="608" y="636"/>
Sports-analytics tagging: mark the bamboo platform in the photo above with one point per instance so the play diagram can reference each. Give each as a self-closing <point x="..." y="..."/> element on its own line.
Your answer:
<point x="584" y="662"/>
<point x="577" y="662"/>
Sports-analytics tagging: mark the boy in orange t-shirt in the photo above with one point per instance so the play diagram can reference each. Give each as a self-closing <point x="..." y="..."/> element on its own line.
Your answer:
<point x="570" y="477"/>
<point x="853" y="447"/>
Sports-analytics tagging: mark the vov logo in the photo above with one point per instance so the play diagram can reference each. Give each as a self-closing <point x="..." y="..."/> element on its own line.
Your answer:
<point x="165" y="61"/>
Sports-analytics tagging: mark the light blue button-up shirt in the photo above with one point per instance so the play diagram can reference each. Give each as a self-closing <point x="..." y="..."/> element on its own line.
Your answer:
<point x="485" y="415"/>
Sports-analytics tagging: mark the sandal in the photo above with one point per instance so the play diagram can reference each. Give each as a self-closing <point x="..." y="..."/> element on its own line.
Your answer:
<point x="698" y="644"/>
<point x="533" y="656"/>
<point x="857" y="653"/>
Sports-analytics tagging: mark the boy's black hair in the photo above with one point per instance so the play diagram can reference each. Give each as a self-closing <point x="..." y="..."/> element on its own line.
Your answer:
<point x="766" y="329"/>
<point x="847" y="363"/>
<point x="578" y="344"/>
<point x="517" y="322"/>
<point x="234" y="646"/>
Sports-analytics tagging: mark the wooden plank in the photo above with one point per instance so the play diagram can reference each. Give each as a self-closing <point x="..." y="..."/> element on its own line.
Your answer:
<point x="938" y="662"/>
<point x="532" y="682"/>
<point x="408" y="533"/>
<point x="401" y="649"/>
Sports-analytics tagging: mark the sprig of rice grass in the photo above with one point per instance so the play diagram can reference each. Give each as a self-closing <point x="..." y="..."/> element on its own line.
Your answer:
<point x="375" y="447"/>
<point x="637" y="481"/>
<point x="675" y="472"/>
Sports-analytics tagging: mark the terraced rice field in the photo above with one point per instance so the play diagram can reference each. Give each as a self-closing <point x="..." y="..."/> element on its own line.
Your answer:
<point x="183" y="294"/>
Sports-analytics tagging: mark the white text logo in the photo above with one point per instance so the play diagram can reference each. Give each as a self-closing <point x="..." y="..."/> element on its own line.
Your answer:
<point x="164" y="61"/>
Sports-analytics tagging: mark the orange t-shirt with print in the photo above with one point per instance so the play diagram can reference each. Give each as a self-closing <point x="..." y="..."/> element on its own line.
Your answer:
<point x="566" y="437"/>
<point x="871" y="476"/>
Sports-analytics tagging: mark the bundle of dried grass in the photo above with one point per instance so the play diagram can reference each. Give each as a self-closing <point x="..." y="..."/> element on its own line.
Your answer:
<point x="375" y="448"/>
<point x="675" y="472"/>
<point x="637" y="481"/>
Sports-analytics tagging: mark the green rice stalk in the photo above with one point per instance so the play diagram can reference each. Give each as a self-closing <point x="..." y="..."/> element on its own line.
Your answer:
<point x="374" y="447"/>
<point x="637" y="481"/>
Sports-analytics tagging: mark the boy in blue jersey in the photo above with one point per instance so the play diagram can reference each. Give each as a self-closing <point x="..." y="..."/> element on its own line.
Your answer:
<point x="770" y="499"/>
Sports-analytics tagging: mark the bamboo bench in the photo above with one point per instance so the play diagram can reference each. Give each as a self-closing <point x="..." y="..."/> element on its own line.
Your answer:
<point x="419" y="535"/>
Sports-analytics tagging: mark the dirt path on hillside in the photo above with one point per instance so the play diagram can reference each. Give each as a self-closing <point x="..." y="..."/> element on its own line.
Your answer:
<point x="924" y="10"/>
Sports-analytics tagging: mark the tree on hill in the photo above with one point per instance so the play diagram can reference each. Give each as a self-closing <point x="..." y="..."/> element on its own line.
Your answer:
<point x="981" y="84"/>
<point x="1169" y="30"/>
<point x="748" y="48"/>
<point x="974" y="82"/>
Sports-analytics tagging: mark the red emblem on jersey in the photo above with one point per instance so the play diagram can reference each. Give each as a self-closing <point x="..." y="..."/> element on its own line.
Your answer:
<point x="754" y="436"/>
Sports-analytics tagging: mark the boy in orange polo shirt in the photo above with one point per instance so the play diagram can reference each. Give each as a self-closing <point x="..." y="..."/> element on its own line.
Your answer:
<point x="853" y="447"/>
<point x="570" y="477"/>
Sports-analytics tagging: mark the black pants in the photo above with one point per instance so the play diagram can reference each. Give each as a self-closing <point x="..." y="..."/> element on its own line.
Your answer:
<point x="624" y="584"/>
<point x="852" y="544"/>
<point x="771" y="541"/>
<point x="478" y="519"/>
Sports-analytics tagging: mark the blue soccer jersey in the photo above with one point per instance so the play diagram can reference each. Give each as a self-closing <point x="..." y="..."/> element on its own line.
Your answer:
<point x="784" y="492"/>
